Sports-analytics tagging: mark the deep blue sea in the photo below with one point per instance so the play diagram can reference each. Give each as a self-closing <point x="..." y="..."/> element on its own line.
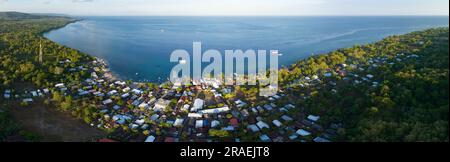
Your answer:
<point x="142" y="45"/>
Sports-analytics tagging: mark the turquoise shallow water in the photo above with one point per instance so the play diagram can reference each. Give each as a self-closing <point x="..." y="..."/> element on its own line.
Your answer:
<point x="142" y="45"/>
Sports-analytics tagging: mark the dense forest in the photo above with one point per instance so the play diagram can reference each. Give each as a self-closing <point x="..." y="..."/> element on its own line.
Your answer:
<point x="20" y="42"/>
<point x="410" y="102"/>
<point x="20" y="16"/>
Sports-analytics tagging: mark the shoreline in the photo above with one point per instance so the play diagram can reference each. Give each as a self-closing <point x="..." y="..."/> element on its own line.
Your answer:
<point x="115" y="76"/>
<point x="357" y="75"/>
<point x="109" y="73"/>
<point x="56" y="28"/>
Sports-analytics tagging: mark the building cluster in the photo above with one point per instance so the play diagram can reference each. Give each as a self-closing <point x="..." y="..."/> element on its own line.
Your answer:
<point x="175" y="113"/>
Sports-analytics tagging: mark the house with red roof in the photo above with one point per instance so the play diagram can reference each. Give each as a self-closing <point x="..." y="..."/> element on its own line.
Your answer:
<point x="234" y="122"/>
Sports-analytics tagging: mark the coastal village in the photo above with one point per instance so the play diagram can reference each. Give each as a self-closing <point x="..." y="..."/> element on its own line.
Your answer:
<point x="201" y="112"/>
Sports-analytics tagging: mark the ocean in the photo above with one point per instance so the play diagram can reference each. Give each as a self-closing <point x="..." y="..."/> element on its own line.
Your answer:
<point x="139" y="48"/>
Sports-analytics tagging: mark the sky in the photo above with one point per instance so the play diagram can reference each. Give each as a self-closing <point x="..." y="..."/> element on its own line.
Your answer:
<point x="228" y="7"/>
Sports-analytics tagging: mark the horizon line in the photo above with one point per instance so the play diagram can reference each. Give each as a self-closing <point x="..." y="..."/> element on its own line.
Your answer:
<point x="234" y="15"/>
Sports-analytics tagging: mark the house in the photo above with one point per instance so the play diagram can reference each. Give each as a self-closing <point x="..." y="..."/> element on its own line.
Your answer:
<point x="271" y="99"/>
<point x="254" y="110"/>
<point x="7" y="94"/>
<point x="289" y="106"/>
<point x="277" y="123"/>
<point x="315" y="77"/>
<point x="99" y="94"/>
<point x="154" y="117"/>
<point x="293" y="136"/>
<point x="150" y="139"/>
<point x="228" y="128"/>
<point x="215" y="124"/>
<point x="328" y="74"/>
<point x="215" y="111"/>
<point x="262" y="125"/>
<point x="161" y="104"/>
<point x="198" y="105"/>
<point x="60" y="85"/>
<point x="303" y="132"/>
<point x="268" y="107"/>
<point x="265" y="138"/>
<point x="199" y="124"/>
<point x="136" y="102"/>
<point x="226" y="90"/>
<point x="170" y="122"/>
<point x="178" y="122"/>
<point x="234" y="122"/>
<point x="320" y="139"/>
<point x="121" y="119"/>
<point x="111" y="93"/>
<point x="140" y="122"/>
<point x="273" y="105"/>
<point x="116" y="107"/>
<point x="253" y="128"/>
<point x="276" y="97"/>
<point x="286" y="118"/>
<point x="27" y="100"/>
<point x="144" y="105"/>
<point x="195" y="115"/>
<point x="137" y="91"/>
<point x="245" y="113"/>
<point x="108" y="101"/>
<point x="185" y="107"/>
<point x="127" y="89"/>
<point x="260" y="109"/>
<point x="125" y="95"/>
<point x="313" y="118"/>
<point x="104" y="111"/>
<point x="370" y="76"/>
<point x="119" y="83"/>
<point x="134" y="126"/>
<point x="240" y="103"/>
<point x="34" y="93"/>
<point x="375" y="84"/>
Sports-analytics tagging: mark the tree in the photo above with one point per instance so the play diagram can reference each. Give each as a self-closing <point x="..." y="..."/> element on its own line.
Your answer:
<point x="218" y="133"/>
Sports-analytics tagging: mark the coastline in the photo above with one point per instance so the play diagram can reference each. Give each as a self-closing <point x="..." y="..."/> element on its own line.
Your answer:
<point x="116" y="76"/>
<point x="56" y="28"/>
<point x="366" y="71"/>
<point x="107" y="71"/>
